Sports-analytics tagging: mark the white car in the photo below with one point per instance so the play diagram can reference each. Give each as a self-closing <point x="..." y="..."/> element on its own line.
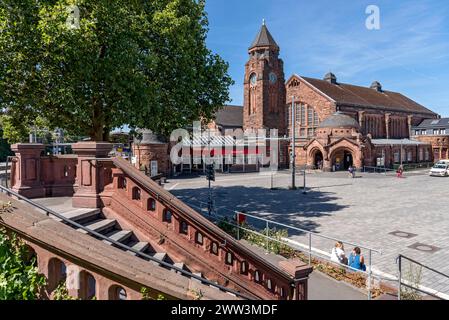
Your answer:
<point x="440" y="170"/>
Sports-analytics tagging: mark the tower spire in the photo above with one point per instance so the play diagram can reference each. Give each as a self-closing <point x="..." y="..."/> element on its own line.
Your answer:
<point x="264" y="38"/>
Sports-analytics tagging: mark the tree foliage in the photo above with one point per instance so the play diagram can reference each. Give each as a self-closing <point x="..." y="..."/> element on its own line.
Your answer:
<point x="140" y="63"/>
<point x="19" y="277"/>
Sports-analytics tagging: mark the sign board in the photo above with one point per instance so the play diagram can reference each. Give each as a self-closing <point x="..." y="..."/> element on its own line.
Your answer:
<point x="154" y="169"/>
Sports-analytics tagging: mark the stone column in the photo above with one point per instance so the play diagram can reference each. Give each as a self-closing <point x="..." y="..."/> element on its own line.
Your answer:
<point x="362" y="121"/>
<point x="26" y="170"/>
<point x="410" y="124"/>
<point x="387" y="125"/>
<point x="89" y="173"/>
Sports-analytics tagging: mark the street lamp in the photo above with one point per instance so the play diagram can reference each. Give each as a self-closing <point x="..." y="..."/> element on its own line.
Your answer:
<point x="305" y="169"/>
<point x="293" y="144"/>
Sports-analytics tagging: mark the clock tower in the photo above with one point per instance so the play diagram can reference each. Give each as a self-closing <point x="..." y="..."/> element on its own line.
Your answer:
<point x="264" y="85"/>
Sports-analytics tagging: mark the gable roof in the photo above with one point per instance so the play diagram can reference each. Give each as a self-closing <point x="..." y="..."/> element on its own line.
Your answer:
<point x="351" y="95"/>
<point x="230" y="116"/>
<point x="264" y="39"/>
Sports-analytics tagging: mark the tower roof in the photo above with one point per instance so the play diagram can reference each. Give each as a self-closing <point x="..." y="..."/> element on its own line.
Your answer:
<point x="264" y="39"/>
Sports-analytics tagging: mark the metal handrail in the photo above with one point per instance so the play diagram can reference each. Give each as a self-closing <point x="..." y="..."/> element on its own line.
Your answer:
<point x="310" y="252"/>
<point x="401" y="284"/>
<point x="299" y="229"/>
<point x="121" y="245"/>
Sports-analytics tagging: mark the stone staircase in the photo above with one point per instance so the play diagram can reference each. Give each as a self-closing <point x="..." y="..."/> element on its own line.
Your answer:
<point x="94" y="220"/>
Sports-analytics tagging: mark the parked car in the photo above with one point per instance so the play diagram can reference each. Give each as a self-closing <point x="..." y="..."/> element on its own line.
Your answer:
<point x="446" y="162"/>
<point x="440" y="170"/>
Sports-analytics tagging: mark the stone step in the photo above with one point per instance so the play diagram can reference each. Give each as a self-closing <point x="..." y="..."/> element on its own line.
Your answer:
<point x="160" y="256"/>
<point x="139" y="246"/>
<point x="99" y="225"/>
<point x="179" y="265"/>
<point x="199" y="274"/>
<point x="119" y="236"/>
<point x="80" y="214"/>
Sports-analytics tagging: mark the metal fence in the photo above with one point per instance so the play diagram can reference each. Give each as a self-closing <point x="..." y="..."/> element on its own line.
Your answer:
<point x="411" y="275"/>
<point x="384" y="170"/>
<point x="263" y="226"/>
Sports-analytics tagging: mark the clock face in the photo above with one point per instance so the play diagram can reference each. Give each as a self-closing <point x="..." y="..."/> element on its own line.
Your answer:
<point x="273" y="78"/>
<point x="253" y="79"/>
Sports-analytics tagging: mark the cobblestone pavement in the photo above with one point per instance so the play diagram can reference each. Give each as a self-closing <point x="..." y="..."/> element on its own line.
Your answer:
<point x="365" y="210"/>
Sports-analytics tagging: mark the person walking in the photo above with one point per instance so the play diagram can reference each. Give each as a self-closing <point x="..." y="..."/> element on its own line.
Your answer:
<point x="351" y="171"/>
<point x="356" y="260"/>
<point x="400" y="171"/>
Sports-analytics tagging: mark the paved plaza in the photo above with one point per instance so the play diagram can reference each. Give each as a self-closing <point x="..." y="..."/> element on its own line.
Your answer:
<point x="366" y="210"/>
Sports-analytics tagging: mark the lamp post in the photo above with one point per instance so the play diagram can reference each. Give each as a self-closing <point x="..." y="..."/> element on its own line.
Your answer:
<point x="293" y="145"/>
<point x="305" y="169"/>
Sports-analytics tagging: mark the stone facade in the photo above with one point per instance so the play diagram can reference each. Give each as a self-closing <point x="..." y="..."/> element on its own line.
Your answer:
<point x="139" y="204"/>
<point x="380" y="114"/>
<point x="439" y="145"/>
<point x="264" y="87"/>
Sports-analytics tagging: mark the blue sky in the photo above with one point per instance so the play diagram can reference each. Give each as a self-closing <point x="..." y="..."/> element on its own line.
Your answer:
<point x="409" y="54"/>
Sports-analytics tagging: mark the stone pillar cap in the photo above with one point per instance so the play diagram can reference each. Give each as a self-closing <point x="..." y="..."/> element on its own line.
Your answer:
<point x="296" y="268"/>
<point x="27" y="146"/>
<point x="92" y="148"/>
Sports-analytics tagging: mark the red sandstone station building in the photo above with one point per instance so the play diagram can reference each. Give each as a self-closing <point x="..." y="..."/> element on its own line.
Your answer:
<point x="337" y="125"/>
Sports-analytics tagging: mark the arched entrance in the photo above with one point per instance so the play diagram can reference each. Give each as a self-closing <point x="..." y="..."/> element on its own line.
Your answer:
<point x="342" y="159"/>
<point x="318" y="159"/>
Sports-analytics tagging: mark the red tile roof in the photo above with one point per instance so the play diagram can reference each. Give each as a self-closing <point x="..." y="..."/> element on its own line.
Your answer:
<point x="351" y="95"/>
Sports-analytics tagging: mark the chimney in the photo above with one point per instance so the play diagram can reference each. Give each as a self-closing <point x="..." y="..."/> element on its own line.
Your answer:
<point x="331" y="78"/>
<point x="376" y="86"/>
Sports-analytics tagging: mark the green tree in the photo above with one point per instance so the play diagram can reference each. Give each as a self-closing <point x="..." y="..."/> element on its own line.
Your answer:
<point x="103" y="64"/>
<point x="19" y="277"/>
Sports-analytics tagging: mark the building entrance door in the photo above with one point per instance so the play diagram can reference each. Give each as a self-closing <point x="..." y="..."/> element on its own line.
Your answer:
<point x="347" y="161"/>
<point x="436" y="155"/>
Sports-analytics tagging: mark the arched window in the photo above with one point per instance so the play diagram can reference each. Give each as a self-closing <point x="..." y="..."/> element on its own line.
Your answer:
<point x="151" y="204"/>
<point x="136" y="193"/>
<point x="229" y="258"/>
<point x="31" y="256"/>
<point x="88" y="286"/>
<point x="199" y="238"/>
<point x="252" y="93"/>
<point x="257" y="276"/>
<point x="57" y="272"/>
<point x="269" y="285"/>
<point x="167" y="216"/>
<point x="117" y="293"/>
<point x="183" y="227"/>
<point x="282" y="292"/>
<point x="122" y="183"/>
<point x="244" y="267"/>
<point x="214" y="248"/>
